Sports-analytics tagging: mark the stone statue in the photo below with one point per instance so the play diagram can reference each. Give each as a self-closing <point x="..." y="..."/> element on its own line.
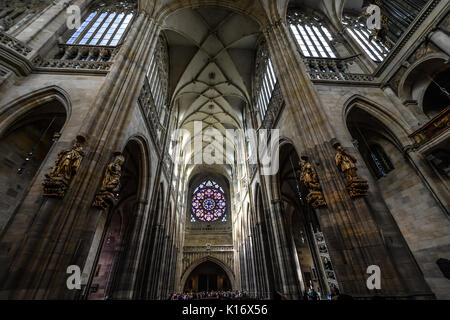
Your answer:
<point x="110" y="187"/>
<point x="356" y="186"/>
<point x="66" y="165"/>
<point x="308" y="177"/>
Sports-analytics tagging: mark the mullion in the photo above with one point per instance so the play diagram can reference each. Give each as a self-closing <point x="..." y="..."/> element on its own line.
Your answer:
<point x="306" y="34"/>
<point x="88" y="27"/>
<point x="304" y="41"/>
<point x="258" y="105"/>
<point x="73" y="38"/>
<point x="111" y="30"/>
<point x="161" y="94"/>
<point x="151" y="65"/>
<point x="369" y="45"/>
<point x="261" y="101"/>
<point x="366" y="43"/>
<point x="266" y="99"/>
<point x="105" y="26"/>
<point x="118" y="26"/>
<point x="363" y="45"/>
<point x="119" y="34"/>
<point x="152" y="71"/>
<point x="316" y="33"/>
<point x="315" y="41"/>
<point x="261" y="111"/>
<point x="267" y="94"/>
<point x="156" y="92"/>
<point x="269" y="79"/>
<point x="374" y="43"/>
<point x="153" y="83"/>
<point x="328" y="48"/>
<point x="100" y="21"/>
<point x="272" y="71"/>
<point x="299" y="40"/>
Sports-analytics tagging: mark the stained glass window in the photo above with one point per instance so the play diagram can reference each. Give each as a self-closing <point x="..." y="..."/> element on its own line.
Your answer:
<point x="208" y="203"/>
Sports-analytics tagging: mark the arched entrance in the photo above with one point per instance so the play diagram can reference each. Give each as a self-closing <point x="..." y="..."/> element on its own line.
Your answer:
<point x="118" y="228"/>
<point x="308" y="260"/>
<point x="208" y="276"/>
<point x="411" y="202"/>
<point x="23" y="147"/>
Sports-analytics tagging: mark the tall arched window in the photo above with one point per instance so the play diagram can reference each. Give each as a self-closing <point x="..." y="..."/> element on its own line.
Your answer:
<point x="208" y="203"/>
<point x="312" y="35"/>
<point x="265" y="80"/>
<point x="105" y="25"/>
<point x="158" y="76"/>
<point x="379" y="161"/>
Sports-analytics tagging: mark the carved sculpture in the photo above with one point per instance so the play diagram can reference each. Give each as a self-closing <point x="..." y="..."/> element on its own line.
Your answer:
<point x="308" y="177"/>
<point x="110" y="187"/>
<point x="66" y="165"/>
<point x="356" y="186"/>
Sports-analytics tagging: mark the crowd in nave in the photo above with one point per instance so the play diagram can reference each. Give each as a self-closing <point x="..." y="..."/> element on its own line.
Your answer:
<point x="224" y="295"/>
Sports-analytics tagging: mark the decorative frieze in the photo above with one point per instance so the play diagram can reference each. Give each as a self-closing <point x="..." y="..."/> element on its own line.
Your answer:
<point x="14" y="44"/>
<point x="81" y="57"/>
<point x="334" y="70"/>
<point x="193" y="254"/>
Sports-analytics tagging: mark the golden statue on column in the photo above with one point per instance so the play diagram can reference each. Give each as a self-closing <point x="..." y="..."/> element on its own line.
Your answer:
<point x="66" y="165"/>
<point x="110" y="187"/>
<point x="308" y="177"/>
<point x="356" y="186"/>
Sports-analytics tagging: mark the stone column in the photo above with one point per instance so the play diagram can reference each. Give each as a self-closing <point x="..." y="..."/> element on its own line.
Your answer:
<point x="353" y="236"/>
<point x="48" y="235"/>
<point x="441" y="40"/>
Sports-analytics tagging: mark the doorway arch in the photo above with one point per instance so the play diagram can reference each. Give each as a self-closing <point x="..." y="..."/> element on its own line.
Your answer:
<point x="221" y="265"/>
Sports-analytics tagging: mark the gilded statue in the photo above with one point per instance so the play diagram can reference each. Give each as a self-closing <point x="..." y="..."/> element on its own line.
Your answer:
<point x="308" y="177"/>
<point x="110" y="187"/>
<point x="356" y="186"/>
<point x="66" y="165"/>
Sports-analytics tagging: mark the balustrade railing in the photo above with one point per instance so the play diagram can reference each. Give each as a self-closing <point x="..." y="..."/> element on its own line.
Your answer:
<point x="83" y="57"/>
<point x="333" y="69"/>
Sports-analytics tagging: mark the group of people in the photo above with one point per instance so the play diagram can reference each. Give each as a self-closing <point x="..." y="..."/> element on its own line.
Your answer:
<point x="223" y="295"/>
<point x="312" y="294"/>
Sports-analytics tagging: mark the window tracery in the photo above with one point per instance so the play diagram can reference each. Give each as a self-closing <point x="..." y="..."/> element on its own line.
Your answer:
<point x="208" y="203"/>
<point x="312" y="35"/>
<point x="105" y="25"/>
<point x="265" y="80"/>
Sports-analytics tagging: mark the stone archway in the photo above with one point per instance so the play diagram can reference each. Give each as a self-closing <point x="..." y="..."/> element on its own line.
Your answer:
<point x="227" y="270"/>
<point x="207" y="276"/>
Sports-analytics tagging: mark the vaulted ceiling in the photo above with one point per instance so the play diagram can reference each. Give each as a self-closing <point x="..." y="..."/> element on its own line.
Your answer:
<point x="212" y="52"/>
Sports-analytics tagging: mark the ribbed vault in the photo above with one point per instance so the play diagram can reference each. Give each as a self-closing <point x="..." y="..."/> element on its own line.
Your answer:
<point x="212" y="52"/>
